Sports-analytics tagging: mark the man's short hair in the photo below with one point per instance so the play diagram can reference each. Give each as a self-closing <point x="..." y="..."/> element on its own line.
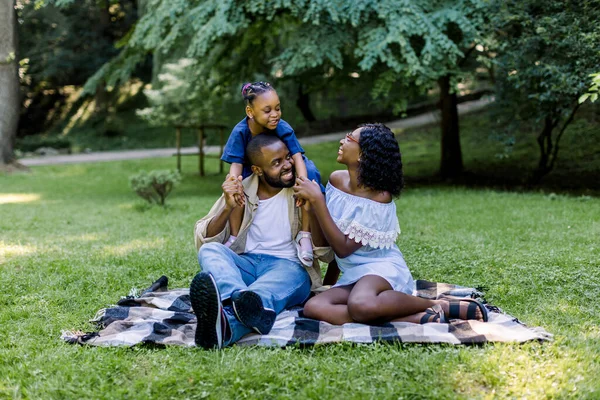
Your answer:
<point x="253" y="149"/>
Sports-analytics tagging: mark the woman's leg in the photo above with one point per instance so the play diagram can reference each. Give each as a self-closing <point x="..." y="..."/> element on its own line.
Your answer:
<point x="330" y="306"/>
<point x="372" y="300"/>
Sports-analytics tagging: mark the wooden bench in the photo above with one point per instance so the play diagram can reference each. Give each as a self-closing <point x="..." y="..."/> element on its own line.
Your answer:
<point x="201" y="136"/>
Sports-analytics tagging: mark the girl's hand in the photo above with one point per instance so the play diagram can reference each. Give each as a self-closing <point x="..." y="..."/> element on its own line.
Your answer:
<point x="234" y="191"/>
<point x="307" y="190"/>
<point x="306" y="206"/>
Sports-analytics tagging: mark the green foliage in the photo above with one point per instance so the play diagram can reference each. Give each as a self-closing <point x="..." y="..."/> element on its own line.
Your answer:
<point x="546" y="52"/>
<point x="63" y="44"/>
<point x="154" y="186"/>
<point x="113" y="126"/>
<point x="593" y="91"/>
<point x="181" y="97"/>
<point x="419" y="41"/>
<point x="34" y="142"/>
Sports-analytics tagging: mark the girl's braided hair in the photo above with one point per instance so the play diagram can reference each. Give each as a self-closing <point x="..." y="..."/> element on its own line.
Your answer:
<point x="252" y="90"/>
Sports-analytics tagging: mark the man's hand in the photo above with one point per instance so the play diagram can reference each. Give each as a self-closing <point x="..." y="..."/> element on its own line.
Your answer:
<point x="307" y="190"/>
<point x="234" y="191"/>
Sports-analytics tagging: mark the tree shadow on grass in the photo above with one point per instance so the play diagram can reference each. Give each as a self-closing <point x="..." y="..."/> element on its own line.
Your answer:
<point x="584" y="184"/>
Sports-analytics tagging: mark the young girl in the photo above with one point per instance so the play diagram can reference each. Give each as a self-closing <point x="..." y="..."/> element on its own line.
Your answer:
<point x="358" y="219"/>
<point x="263" y="115"/>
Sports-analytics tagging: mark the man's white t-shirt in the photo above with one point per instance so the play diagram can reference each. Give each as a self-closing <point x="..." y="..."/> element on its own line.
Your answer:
<point x="270" y="231"/>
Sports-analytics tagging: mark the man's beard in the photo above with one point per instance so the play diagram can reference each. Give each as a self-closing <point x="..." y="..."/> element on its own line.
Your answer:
<point x="278" y="183"/>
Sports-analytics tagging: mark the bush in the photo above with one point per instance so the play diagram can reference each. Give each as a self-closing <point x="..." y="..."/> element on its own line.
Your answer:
<point x="31" y="143"/>
<point x="113" y="126"/>
<point x="154" y="186"/>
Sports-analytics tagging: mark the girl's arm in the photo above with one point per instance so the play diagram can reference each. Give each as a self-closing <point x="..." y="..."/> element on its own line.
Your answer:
<point x="235" y="170"/>
<point x="299" y="165"/>
<point x="339" y="242"/>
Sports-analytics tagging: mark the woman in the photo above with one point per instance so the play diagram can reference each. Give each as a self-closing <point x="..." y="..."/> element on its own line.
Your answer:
<point x="358" y="219"/>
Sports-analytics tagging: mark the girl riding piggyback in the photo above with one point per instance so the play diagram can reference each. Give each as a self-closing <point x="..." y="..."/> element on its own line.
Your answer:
<point x="263" y="116"/>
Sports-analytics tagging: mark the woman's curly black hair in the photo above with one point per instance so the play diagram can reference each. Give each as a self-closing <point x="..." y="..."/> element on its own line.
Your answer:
<point x="380" y="165"/>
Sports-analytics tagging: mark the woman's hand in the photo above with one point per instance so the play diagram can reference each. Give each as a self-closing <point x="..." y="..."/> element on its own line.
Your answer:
<point x="307" y="190"/>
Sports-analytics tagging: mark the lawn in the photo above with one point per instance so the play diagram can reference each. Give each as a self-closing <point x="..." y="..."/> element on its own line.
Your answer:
<point x="73" y="239"/>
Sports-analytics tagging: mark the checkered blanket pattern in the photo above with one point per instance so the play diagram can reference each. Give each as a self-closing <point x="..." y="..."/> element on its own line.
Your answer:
<point x="164" y="317"/>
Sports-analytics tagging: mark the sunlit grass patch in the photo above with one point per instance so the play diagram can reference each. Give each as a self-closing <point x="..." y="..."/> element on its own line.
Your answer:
<point x="134" y="246"/>
<point x="12" y="198"/>
<point x="14" y="250"/>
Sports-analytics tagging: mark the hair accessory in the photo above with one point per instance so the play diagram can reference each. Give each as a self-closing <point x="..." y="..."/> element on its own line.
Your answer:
<point x="246" y="86"/>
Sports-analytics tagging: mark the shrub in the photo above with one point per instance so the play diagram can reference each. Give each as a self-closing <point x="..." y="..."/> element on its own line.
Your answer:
<point x="34" y="142"/>
<point x="113" y="126"/>
<point x="154" y="186"/>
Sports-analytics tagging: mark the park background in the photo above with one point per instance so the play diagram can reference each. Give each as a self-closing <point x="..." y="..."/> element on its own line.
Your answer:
<point x="505" y="198"/>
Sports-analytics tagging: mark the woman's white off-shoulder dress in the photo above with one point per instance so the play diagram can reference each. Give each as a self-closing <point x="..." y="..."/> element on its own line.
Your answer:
<point x="375" y="225"/>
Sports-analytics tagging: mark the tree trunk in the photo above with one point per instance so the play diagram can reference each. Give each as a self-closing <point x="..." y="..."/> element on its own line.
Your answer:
<point x="9" y="81"/>
<point x="101" y="97"/>
<point x="544" y="140"/>
<point x="303" y="104"/>
<point x="548" y="147"/>
<point x="451" y="165"/>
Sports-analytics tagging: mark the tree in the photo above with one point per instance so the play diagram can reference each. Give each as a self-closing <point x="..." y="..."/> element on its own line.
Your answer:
<point x="547" y="50"/>
<point x="406" y="46"/>
<point x="180" y="100"/>
<point x="426" y="43"/>
<point x="409" y="46"/>
<point x="9" y="81"/>
<point x="62" y="47"/>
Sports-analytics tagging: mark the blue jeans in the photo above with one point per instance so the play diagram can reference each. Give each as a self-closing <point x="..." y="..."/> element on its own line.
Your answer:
<point x="280" y="283"/>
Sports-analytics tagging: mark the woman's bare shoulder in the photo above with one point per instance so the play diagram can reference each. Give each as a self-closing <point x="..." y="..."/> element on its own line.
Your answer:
<point x="339" y="178"/>
<point x="382" y="197"/>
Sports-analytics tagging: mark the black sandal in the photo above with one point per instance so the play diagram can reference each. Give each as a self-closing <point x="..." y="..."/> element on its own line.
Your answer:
<point x="434" y="314"/>
<point x="454" y="308"/>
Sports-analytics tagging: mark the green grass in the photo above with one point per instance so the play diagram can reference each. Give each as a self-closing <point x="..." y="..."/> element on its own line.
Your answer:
<point x="73" y="239"/>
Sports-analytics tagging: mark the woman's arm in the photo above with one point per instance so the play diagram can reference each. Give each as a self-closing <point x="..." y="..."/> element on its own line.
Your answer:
<point x="301" y="171"/>
<point x="339" y="242"/>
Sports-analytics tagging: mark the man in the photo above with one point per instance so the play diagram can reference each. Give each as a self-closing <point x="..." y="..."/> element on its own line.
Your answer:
<point x="242" y="288"/>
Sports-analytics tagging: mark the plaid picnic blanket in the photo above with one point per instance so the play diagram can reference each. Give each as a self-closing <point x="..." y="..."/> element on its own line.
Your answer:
<point x="162" y="316"/>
